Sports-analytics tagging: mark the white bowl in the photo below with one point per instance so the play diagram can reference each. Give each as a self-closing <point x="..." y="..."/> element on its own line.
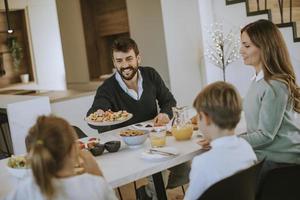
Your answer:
<point x="135" y="141"/>
<point x="18" y="172"/>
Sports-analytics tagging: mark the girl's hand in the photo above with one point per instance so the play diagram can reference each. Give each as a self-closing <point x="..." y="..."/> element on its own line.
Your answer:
<point x="89" y="163"/>
<point x="205" y="143"/>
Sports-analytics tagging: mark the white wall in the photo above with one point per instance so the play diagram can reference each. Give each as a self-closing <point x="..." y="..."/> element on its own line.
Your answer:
<point x="170" y="43"/>
<point x="146" y="28"/>
<point x="184" y="48"/>
<point x="235" y="16"/>
<point x="45" y="42"/>
<point x="73" y="41"/>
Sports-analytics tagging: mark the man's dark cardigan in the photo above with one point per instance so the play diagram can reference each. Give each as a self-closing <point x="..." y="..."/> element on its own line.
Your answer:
<point x="111" y="96"/>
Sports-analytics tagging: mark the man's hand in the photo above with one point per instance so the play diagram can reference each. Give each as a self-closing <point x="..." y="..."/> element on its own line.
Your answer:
<point x="89" y="163"/>
<point x="205" y="143"/>
<point x="161" y="119"/>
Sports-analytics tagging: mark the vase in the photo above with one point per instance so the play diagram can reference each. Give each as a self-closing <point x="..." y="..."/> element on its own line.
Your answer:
<point x="24" y="78"/>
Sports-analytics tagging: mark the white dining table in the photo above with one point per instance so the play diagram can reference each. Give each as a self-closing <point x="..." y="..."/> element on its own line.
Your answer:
<point x="126" y="165"/>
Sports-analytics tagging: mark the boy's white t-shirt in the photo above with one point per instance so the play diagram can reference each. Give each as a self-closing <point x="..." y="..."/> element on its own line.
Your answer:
<point x="227" y="156"/>
<point x="84" y="186"/>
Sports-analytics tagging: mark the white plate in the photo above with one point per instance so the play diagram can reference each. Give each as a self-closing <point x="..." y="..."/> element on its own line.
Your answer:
<point x="18" y="172"/>
<point x="107" y="123"/>
<point x="144" y="126"/>
<point x="158" y="157"/>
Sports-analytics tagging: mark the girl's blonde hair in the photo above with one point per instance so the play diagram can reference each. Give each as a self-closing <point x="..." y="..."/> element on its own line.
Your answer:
<point x="275" y="57"/>
<point x="49" y="142"/>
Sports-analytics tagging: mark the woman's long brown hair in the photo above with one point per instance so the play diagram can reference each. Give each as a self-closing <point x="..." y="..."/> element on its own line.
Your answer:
<point x="275" y="57"/>
<point x="49" y="141"/>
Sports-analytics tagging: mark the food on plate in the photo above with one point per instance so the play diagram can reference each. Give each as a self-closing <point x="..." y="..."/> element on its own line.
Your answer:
<point x="108" y="116"/>
<point x="17" y="162"/>
<point x="92" y="144"/>
<point x="148" y="125"/>
<point x="126" y="133"/>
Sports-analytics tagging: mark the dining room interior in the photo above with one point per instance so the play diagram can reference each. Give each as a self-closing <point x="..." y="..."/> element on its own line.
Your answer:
<point x="63" y="47"/>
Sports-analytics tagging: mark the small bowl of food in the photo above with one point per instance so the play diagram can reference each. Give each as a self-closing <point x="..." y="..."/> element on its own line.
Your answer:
<point x="18" y="166"/>
<point x="97" y="149"/>
<point x="112" y="146"/>
<point x="134" y="138"/>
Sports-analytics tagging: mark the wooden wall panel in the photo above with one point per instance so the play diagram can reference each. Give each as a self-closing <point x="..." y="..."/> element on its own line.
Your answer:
<point x="104" y="21"/>
<point x="112" y="23"/>
<point x="18" y="24"/>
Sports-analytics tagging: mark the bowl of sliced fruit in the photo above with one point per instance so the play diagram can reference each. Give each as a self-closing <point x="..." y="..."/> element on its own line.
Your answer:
<point x="17" y="166"/>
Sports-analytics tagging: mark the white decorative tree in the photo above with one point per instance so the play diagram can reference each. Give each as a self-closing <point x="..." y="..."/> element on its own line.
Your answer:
<point x="222" y="50"/>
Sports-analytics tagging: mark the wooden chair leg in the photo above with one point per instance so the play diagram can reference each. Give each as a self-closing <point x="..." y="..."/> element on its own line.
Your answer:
<point x="120" y="194"/>
<point x="5" y="141"/>
<point x="183" y="191"/>
<point x="135" y="188"/>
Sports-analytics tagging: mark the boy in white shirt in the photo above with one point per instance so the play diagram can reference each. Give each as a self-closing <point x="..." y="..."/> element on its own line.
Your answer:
<point x="219" y="109"/>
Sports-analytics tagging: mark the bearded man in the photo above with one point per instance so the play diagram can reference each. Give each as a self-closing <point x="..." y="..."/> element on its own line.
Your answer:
<point x="133" y="88"/>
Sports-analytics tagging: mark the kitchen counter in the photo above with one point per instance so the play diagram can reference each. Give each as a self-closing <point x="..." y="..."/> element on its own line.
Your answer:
<point x="54" y="96"/>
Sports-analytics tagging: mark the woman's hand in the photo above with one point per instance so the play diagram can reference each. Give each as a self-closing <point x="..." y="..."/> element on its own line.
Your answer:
<point x="161" y="119"/>
<point x="205" y="143"/>
<point x="89" y="163"/>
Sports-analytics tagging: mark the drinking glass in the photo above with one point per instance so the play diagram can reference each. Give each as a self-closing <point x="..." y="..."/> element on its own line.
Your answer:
<point x="158" y="139"/>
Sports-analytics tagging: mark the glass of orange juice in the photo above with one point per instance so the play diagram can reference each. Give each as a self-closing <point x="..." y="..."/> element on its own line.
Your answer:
<point x="158" y="139"/>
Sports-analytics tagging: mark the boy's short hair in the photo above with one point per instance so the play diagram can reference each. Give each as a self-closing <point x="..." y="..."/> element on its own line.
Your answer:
<point x="221" y="102"/>
<point x="124" y="44"/>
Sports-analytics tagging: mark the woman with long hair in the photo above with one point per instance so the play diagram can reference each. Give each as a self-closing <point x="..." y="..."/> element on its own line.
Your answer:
<point x="53" y="155"/>
<point x="273" y="98"/>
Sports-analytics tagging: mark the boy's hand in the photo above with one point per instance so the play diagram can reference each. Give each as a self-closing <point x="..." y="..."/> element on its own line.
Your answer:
<point x="205" y="143"/>
<point x="161" y="119"/>
<point x="89" y="163"/>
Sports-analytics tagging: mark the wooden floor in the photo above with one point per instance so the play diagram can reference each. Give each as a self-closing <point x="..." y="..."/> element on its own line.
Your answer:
<point x="128" y="192"/>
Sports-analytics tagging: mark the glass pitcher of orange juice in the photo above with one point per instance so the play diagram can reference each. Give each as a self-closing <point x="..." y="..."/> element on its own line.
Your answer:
<point x="182" y="128"/>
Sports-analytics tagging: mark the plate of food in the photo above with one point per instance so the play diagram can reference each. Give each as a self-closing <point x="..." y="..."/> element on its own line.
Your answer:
<point x="148" y="126"/>
<point x="17" y="166"/>
<point x="107" y="118"/>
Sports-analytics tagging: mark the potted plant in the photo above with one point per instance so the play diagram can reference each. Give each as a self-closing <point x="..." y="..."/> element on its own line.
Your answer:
<point x="16" y="51"/>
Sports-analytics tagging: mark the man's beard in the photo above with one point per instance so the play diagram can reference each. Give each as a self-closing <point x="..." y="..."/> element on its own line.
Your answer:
<point x="133" y="72"/>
